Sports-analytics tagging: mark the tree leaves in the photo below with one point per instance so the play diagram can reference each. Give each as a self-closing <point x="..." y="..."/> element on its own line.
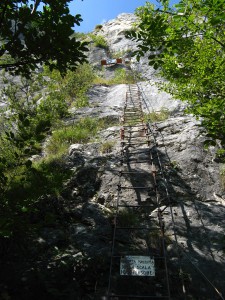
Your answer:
<point x="30" y="37"/>
<point x="188" y="43"/>
<point x="28" y="164"/>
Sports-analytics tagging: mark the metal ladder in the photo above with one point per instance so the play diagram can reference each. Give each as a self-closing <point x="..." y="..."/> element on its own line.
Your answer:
<point x="138" y="267"/>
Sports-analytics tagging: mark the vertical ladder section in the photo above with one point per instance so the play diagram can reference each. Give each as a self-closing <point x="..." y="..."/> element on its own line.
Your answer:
<point x="138" y="268"/>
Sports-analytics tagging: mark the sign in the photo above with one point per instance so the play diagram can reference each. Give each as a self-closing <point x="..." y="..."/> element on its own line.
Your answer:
<point x="105" y="62"/>
<point x="137" y="266"/>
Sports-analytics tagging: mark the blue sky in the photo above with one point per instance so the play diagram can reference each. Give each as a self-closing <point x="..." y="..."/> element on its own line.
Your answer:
<point x="96" y="12"/>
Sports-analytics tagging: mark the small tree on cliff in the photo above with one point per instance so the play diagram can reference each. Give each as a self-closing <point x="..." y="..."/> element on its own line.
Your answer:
<point x="186" y="43"/>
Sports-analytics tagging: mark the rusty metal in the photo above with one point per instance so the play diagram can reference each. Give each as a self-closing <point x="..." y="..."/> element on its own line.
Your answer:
<point x="136" y="228"/>
<point x="133" y="106"/>
<point x="136" y="187"/>
<point x="133" y="126"/>
<point x="136" y="206"/>
<point x="132" y="112"/>
<point x="130" y="161"/>
<point x="133" y="144"/>
<point x="140" y="297"/>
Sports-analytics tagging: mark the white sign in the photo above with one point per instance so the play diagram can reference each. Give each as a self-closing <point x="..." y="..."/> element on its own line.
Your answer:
<point x="111" y="61"/>
<point x="137" y="266"/>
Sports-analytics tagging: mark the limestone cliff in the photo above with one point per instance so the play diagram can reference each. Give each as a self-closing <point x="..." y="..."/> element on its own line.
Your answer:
<point x="194" y="179"/>
<point x="75" y="255"/>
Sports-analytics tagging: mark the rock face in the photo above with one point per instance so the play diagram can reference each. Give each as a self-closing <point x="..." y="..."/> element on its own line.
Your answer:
<point x="107" y="100"/>
<point x="198" y="205"/>
<point x="77" y="250"/>
<point x="192" y="175"/>
<point x="114" y="31"/>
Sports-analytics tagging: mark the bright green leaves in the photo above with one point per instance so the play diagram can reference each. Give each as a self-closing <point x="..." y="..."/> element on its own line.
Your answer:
<point x="187" y="42"/>
<point x="31" y="37"/>
<point x="150" y="33"/>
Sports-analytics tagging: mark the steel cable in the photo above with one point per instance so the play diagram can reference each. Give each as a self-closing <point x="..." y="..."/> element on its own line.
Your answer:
<point x="160" y="219"/>
<point x="176" y="243"/>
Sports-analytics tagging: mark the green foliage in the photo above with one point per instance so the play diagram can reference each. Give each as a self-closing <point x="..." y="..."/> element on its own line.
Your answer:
<point x="23" y="182"/>
<point x="24" y="186"/>
<point x="127" y="218"/>
<point x="175" y="165"/>
<point x="80" y="132"/>
<point x="6" y="59"/>
<point x="24" y="125"/>
<point x="122" y="53"/>
<point x="22" y="130"/>
<point x="80" y="36"/>
<point x="39" y="32"/>
<point x="121" y="76"/>
<point x="187" y="43"/>
<point x="222" y="175"/>
<point x="30" y="116"/>
<point x="98" y="40"/>
<point x="98" y="27"/>
<point x="34" y="107"/>
<point x="220" y="155"/>
<point x="158" y="116"/>
<point x="73" y="86"/>
<point x="81" y="101"/>
<point x="107" y="146"/>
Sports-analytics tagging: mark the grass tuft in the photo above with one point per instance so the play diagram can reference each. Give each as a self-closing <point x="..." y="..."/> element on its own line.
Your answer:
<point x="222" y="175"/>
<point x="121" y="77"/>
<point x="158" y="116"/>
<point x="81" y="132"/>
<point x="107" y="147"/>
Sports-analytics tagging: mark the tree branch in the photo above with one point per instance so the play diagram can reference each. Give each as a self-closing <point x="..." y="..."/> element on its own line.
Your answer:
<point x="37" y="2"/>
<point x="185" y="16"/>
<point x="19" y="63"/>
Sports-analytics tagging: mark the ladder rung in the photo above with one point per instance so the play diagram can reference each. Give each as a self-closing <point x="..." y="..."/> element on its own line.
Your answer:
<point x="137" y="228"/>
<point x="136" y="187"/>
<point x="131" y="157"/>
<point x="144" y="297"/>
<point x="136" y="162"/>
<point x="128" y="118"/>
<point x="132" y="172"/>
<point x="132" y="116"/>
<point x="134" y="138"/>
<point x="133" y="131"/>
<point x="132" y="110"/>
<point x="139" y="254"/>
<point x="141" y="124"/>
<point x="139" y="152"/>
<point x="138" y="206"/>
<point x="130" y="137"/>
<point x="138" y="143"/>
<point x="130" y="96"/>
